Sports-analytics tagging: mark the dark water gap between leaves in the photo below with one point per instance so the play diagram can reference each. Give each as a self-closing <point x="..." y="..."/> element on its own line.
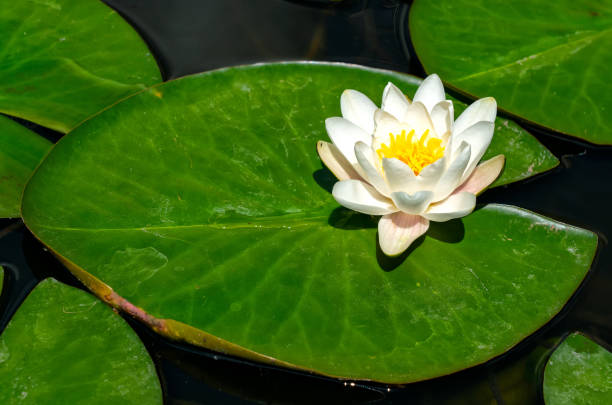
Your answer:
<point x="189" y="36"/>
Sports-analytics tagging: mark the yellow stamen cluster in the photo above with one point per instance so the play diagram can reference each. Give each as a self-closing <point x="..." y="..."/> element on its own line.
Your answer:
<point x="416" y="152"/>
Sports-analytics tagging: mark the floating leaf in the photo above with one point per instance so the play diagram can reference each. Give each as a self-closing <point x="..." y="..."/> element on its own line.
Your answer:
<point x="578" y="372"/>
<point x="203" y="201"/>
<point x="20" y="152"/>
<point x="65" y="346"/>
<point x="64" y="60"/>
<point x="547" y="62"/>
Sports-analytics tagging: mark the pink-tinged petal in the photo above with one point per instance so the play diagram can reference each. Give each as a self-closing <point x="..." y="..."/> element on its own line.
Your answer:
<point x="484" y="109"/>
<point x="336" y="162"/>
<point x="455" y="206"/>
<point x="361" y="197"/>
<point x="412" y="203"/>
<point x="430" y="92"/>
<point x="397" y="231"/>
<point x="418" y="118"/>
<point x="484" y="174"/>
<point x="442" y="117"/>
<point x="394" y="101"/>
<point x="344" y="134"/>
<point x="451" y="178"/>
<point x="359" y="109"/>
<point x="369" y="168"/>
<point x="399" y="176"/>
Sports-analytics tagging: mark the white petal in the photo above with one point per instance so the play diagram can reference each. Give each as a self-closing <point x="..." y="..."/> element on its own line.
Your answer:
<point x="455" y="206"/>
<point x="385" y="124"/>
<point x="361" y="197"/>
<point x="442" y="117"/>
<point x="418" y="118"/>
<point x="334" y="160"/>
<point x="397" y="231"/>
<point x="451" y="178"/>
<point x="394" y="101"/>
<point x="479" y="137"/>
<point x="365" y="157"/>
<point x="430" y="92"/>
<point x="412" y="203"/>
<point x="359" y="109"/>
<point x="484" y="174"/>
<point x="484" y="109"/>
<point x="399" y="176"/>
<point x="344" y="134"/>
<point x="430" y="175"/>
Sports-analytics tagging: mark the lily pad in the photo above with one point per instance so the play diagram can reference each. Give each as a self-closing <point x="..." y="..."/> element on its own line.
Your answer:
<point x="579" y="372"/>
<point x="20" y="152"/>
<point x="65" y="346"/>
<point x="64" y="60"/>
<point x="203" y="203"/>
<point x="546" y="62"/>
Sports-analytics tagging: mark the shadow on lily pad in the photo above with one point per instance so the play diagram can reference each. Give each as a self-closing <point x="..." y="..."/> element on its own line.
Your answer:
<point x="344" y="218"/>
<point x="325" y="179"/>
<point x="451" y="231"/>
<point x="389" y="263"/>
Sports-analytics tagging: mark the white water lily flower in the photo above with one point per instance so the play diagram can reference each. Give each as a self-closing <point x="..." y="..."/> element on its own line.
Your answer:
<point x="410" y="162"/>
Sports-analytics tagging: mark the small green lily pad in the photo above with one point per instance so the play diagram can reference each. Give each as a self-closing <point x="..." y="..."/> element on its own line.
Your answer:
<point x="579" y="372"/>
<point x="62" y="61"/>
<point x="64" y="346"/>
<point x="546" y="62"/>
<point x="218" y="228"/>
<point x="20" y="152"/>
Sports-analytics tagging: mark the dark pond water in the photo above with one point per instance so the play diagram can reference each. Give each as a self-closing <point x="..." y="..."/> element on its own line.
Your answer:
<point x="189" y="36"/>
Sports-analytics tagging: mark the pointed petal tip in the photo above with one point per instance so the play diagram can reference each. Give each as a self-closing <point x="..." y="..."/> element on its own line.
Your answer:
<point x="358" y="109"/>
<point x="433" y="76"/>
<point x="490" y="102"/>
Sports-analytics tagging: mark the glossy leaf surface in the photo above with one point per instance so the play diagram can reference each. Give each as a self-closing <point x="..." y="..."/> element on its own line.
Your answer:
<point x="20" y="152"/>
<point x="63" y="60"/>
<point x="65" y="346"/>
<point x="547" y="62"/>
<point x="203" y="201"/>
<point x="579" y="372"/>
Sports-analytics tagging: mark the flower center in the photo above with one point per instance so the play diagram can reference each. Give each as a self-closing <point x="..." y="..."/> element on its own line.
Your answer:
<point x="417" y="152"/>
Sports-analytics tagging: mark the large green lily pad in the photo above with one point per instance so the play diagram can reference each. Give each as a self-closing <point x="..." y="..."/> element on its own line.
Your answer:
<point x="64" y="346"/>
<point x="547" y="62"/>
<point x="579" y="372"/>
<point x="20" y="152"/>
<point x="202" y="202"/>
<point x="63" y="60"/>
